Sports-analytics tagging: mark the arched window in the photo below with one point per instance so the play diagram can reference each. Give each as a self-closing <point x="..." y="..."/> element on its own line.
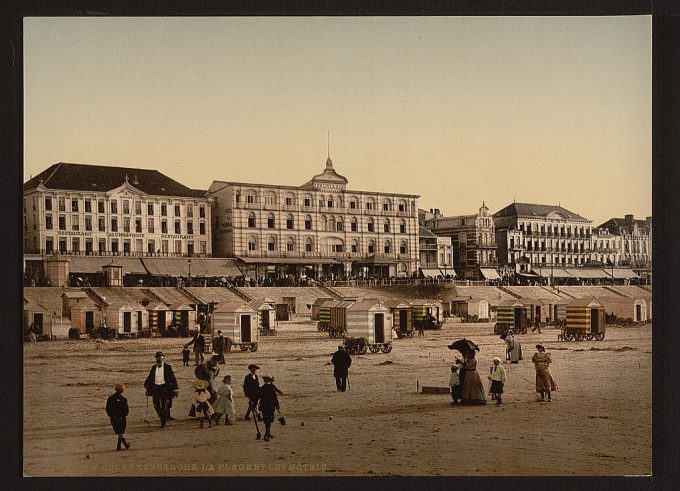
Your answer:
<point x="271" y="221"/>
<point x="289" y="199"/>
<point x="269" y="199"/>
<point x="309" y="244"/>
<point x="339" y="225"/>
<point x="324" y="222"/>
<point x="386" y="226"/>
<point x="371" y="246"/>
<point x="387" y="247"/>
<point x="252" y="220"/>
<point x="308" y="222"/>
<point x="330" y="202"/>
<point x="290" y="222"/>
<point x="252" y="243"/>
<point x="387" y="205"/>
<point x="353" y="203"/>
<point x="370" y="204"/>
<point x="307" y="200"/>
<point x="353" y="225"/>
<point x="271" y="243"/>
<point x="331" y="224"/>
<point x="402" y="206"/>
<point x="290" y="244"/>
<point x="355" y="246"/>
<point x="402" y="247"/>
<point x="402" y="227"/>
<point x="251" y="197"/>
<point x="371" y="228"/>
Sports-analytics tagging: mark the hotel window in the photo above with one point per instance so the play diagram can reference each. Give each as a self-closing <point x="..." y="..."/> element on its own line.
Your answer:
<point x="190" y="248"/>
<point x="308" y="245"/>
<point x="101" y="246"/>
<point x="62" y="244"/>
<point x="307" y="202"/>
<point x="190" y="227"/>
<point x="177" y="213"/>
<point x="354" y="247"/>
<point x="114" y="224"/>
<point x="62" y="222"/>
<point x="204" y="247"/>
<point x="402" y="248"/>
<point x="114" y="246"/>
<point x="126" y="224"/>
<point x="251" y="220"/>
<point x="330" y="202"/>
<point x="237" y="197"/>
<point x="252" y="244"/>
<point x="271" y="244"/>
<point x="386" y="226"/>
<point x="402" y="206"/>
<point x="201" y="228"/>
<point x="88" y="205"/>
<point x="386" y="206"/>
<point x="100" y="206"/>
<point x="336" y="247"/>
<point x="164" y="226"/>
<point x="138" y="208"/>
<point x="290" y="223"/>
<point x="62" y="204"/>
<point x="269" y="199"/>
<point x="164" y="209"/>
<point x="370" y="225"/>
<point x="75" y="244"/>
<point x="150" y="247"/>
<point x="114" y="206"/>
<point x="308" y="223"/>
<point x="138" y="225"/>
<point x="164" y="246"/>
<point x="402" y="227"/>
<point x="289" y="201"/>
<point x="190" y="210"/>
<point x="149" y="225"/>
<point x="352" y="205"/>
<point x="126" y="207"/>
<point x="387" y="247"/>
<point x="75" y="222"/>
<point x="321" y="203"/>
<point x="290" y="245"/>
<point x="102" y="224"/>
<point x="369" y="205"/>
<point x="271" y="223"/>
<point x="88" y="246"/>
<point x="74" y="205"/>
<point x="353" y="225"/>
<point x="48" y="222"/>
<point x="371" y="248"/>
<point x="250" y="199"/>
<point x="178" y="227"/>
<point x="338" y="225"/>
<point x="48" y="203"/>
<point x="178" y="247"/>
<point x="49" y="245"/>
<point x="149" y="208"/>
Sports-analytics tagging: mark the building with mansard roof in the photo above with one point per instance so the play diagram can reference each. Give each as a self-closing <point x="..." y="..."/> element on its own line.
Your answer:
<point x="318" y="228"/>
<point x="80" y="209"/>
<point x="636" y="240"/>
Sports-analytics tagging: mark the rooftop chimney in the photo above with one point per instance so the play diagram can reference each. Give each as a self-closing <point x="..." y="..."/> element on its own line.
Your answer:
<point x="629" y="218"/>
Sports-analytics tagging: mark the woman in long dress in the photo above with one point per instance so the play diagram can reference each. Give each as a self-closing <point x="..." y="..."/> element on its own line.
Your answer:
<point x="545" y="383"/>
<point x="473" y="389"/>
<point x="225" y="402"/>
<point x="513" y="348"/>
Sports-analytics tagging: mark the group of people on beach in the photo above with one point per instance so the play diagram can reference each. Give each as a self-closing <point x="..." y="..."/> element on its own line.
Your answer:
<point x="466" y="385"/>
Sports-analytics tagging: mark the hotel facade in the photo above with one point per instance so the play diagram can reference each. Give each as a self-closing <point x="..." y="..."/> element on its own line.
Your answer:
<point x="319" y="228"/>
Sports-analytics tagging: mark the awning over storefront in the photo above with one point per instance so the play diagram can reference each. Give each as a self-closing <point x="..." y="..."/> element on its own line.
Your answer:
<point x="490" y="273"/>
<point x="624" y="274"/>
<point x="288" y="260"/>
<point x="200" y="267"/>
<point x="431" y="272"/>
<point x="587" y="273"/>
<point x="94" y="264"/>
<point x="554" y="272"/>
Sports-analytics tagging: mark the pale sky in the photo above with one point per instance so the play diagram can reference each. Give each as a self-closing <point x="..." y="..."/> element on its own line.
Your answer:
<point x="459" y="110"/>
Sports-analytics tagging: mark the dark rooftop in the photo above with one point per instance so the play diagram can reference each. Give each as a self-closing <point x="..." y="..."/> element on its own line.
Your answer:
<point x="534" y="210"/>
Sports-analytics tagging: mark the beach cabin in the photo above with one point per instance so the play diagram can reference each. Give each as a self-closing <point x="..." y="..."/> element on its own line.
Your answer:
<point x="421" y="309"/>
<point x="183" y="317"/>
<point x="316" y="307"/>
<point x="84" y="313"/>
<point x="38" y="315"/>
<point x="238" y="321"/>
<point x="266" y="313"/>
<point x="536" y="309"/>
<point x="370" y="319"/>
<point x="127" y="320"/>
<point x="471" y="309"/>
<point x="634" y="309"/>
<point x="511" y="314"/>
<point x="402" y="317"/>
<point x="159" y="317"/>
<point x="585" y="319"/>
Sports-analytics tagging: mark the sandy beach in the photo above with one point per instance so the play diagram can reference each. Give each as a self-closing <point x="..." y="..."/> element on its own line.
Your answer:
<point x="600" y="422"/>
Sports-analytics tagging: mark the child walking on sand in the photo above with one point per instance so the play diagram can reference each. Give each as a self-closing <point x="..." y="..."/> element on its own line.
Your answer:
<point x="225" y="402"/>
<point x="454" y="384"/>
<point x="497" y="377"/>
<point x="203" y="409"/>
<point x="185" y="356"/>
<point x="117" y="410"/>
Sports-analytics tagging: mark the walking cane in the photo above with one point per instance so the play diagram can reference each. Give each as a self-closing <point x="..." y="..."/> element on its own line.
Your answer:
<point x="257" y="428"/>
<point x="348" y="386"/>
<point x="146" y="418"/>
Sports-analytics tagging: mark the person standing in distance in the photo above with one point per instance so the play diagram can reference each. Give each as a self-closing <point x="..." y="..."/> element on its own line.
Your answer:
<point x="161" y="384"/>
<point x="117" y="409"/>
<point x="341" y="362"/>
<point x="199" y="346"/>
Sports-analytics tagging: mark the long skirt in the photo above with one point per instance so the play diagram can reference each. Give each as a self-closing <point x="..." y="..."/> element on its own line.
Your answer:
<point x="544" y="380"/>
<point x="473" y="389"/>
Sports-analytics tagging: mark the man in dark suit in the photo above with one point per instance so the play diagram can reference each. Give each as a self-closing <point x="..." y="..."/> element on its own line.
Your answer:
<point x="199" y="346"/>
<point x="341" y="362"/>
<point x="251" y="386"/>
<point x="162" y="385"/>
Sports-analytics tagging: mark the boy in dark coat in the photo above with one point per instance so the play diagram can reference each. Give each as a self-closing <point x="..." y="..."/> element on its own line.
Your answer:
<point x="251" y="384"/>
<point x="266" y="396"/>
<point x="341" y="362"/>
<point x="117" y="409"/>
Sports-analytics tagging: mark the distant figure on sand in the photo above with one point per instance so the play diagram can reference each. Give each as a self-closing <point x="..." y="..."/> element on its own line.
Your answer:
<point x="513" y="348"/>
<point x="341" y="362"/>
<point x="473" y="389"/>
<point x="117" y="410"/>
<point x="545" y="384"/>
<point x="225" y="402"/>
<point x="454" y="385"/>
<point x="268" y="402"/>
<point x="497" y="377"/>
<point x="199" y="346"/>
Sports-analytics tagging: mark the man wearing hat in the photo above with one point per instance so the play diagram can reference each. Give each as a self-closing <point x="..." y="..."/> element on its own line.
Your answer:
<point x="219" y="344"/>
<point x="341" y="362"/>
<point x="269" y="402"/>
<point x="162" y="385"/>
<point x="117" y="410"/>
<point x="199" y="346"/>
<point x="251" y="385"/>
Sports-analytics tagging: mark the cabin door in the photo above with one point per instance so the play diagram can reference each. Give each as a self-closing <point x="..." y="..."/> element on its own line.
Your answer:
<point x="518" y="317"/>
<point x="184" y="318"/>
<point x="161" y="320"/>
<point x="127" y="321"/>
<point x="379" y="328"/>
<point x="594" y="320"/>
<point x="403" y="320"/>
<point x="139" y="320"/>
<point x="638" y="313"/>
<point x="89" y="321"/>
<point x="38" y="322"/>
<point x="245" y="329"/>
<point x="265" y="319"/>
